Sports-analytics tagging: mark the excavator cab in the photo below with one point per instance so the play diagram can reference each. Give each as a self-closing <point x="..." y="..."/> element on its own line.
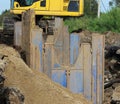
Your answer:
<point x="49" y="7"/>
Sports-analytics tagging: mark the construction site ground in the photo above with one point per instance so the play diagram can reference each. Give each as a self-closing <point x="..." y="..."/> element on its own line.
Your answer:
<point x="37" y="88"/>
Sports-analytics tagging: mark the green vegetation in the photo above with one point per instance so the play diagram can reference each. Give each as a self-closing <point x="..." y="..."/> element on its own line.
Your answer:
<point x="77" y="23"/>
<point x="90" y="7"/>
<point x="114" y="3"/>
<point x="109" y="21"/>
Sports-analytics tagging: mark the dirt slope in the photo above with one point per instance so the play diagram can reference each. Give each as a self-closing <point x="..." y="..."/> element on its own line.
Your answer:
<point x="35" y="86"/>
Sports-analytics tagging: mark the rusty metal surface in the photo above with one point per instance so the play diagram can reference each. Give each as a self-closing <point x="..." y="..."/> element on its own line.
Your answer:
<point x="66" y="46"/>
<point x="28" y="23"/>
<point x="97" y="68"/>
<point x="74" y="47"/>
<point x="48" y="60"/>
<point x="59" y="76"/>
<point x="36" y="49"/>
<point x="58" y="42"/>
<point x="18" y="33"/>
<point x="79" y="62"/>
<point x="76" y="81"/>
<point x="48" y="56"/>
<point x="87" y="70"/>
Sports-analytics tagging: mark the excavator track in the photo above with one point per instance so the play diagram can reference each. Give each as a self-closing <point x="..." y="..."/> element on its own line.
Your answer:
<point x="47" y="25"/>
<point x="7" y="35"/>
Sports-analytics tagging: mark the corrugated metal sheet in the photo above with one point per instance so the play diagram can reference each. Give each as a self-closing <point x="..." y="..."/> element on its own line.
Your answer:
<point x="74" y="47"/>
<point x="58" y="41"/>
<point x="79" y="62"/>
<point x="59" y="76"/>
<point x="98" y="68"/>
<point x="48" y="55"/>
<point x="87" y="60"/>
<point x="76" y="81"/>
<point x="66" y="46"/>
<point x="36" y="49"/>
<point x="18" y="33"/>
<point x="48" y="60"/>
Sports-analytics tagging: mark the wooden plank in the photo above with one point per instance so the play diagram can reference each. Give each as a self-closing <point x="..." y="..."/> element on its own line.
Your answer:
<point x="74" y="47"/>
<point x="87" y="70"/>
<point x="97" y="68"/>
<point x="28" y="23"/>
<point x="18" y="33"/>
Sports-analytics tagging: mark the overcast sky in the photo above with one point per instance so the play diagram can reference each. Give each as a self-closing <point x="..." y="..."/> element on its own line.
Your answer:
<point x="5" y="4"/>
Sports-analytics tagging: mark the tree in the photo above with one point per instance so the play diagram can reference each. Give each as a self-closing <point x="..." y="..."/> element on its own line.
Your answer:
<point x="91" y="7"/>
<point x="114" y="2"/>
<point x="117" y="3"/>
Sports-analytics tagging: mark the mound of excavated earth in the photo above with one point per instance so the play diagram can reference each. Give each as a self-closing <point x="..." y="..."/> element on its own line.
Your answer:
<point x="36" y="87"/>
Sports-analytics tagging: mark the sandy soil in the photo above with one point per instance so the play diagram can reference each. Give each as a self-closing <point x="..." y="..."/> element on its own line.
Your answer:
<point x="35" y="86"/>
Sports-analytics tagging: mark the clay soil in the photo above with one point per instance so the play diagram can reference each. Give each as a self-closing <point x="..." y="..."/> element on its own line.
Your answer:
<point x="36" y="87"/>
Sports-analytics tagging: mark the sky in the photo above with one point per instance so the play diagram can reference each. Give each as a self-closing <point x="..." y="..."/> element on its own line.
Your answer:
<point x="105" y="5"/>
<point x="5" y="4"/>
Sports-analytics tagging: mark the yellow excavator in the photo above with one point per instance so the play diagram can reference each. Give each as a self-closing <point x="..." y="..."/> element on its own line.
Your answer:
<point x="49" y="7"/>
<point x="44" y="8"/>
<point x="53" y="8"/>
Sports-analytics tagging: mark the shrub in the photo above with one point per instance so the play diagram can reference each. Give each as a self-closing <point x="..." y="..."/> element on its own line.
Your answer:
<point x="109" y="21"/>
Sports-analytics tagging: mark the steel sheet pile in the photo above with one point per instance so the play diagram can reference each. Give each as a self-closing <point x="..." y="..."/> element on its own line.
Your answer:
<point x="29" y="86"/>
<point x="112" y="65"/>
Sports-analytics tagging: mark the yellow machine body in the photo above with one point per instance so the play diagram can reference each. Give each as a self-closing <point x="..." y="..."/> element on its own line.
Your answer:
<point x="51" y="7"/>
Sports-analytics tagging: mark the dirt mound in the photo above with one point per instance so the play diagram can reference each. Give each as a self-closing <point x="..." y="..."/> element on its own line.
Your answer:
<point x="111" y="38"/>
<point x="36" y="87"/>
<point x="116" y="94"/>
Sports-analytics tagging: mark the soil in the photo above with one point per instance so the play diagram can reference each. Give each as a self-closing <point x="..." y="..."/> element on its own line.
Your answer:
<point x="112" y="93"/>
<point x="116" y="94"/>
<point x="36" y="87"/>
<point x="112" y="41"/>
